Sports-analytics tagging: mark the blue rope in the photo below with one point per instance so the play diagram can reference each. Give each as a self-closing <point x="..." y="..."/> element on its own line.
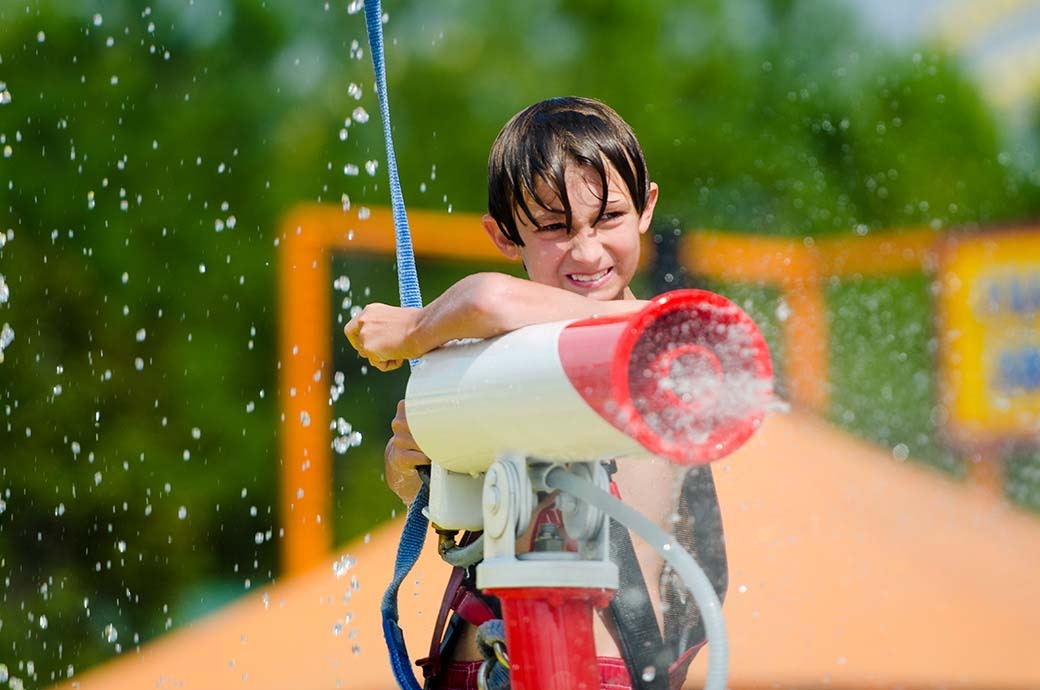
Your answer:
<point x="407" y="280"/>
<point x="414" y="532"/>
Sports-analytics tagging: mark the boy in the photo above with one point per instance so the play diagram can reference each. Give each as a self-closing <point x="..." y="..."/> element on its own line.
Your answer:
<point x="569" y="196"/>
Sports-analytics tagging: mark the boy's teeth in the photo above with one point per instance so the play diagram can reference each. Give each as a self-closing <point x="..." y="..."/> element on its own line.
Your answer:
<point x="589" y="277"/>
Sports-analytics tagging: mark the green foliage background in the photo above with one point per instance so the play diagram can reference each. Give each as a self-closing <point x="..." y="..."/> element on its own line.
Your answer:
<point x="150" y="149"/>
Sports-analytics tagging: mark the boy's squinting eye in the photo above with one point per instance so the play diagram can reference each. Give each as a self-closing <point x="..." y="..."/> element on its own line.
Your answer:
<point x="552" y="227"/>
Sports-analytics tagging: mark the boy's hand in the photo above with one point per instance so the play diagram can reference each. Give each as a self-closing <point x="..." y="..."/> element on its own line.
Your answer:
<point x="402" y="456"/>
<point x="382" y="335"/>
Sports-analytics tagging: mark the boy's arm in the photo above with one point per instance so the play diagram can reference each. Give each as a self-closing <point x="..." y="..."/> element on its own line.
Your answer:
<point x="481" y="305"/>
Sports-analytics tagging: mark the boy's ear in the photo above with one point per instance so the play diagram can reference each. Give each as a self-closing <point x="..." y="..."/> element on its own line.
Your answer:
<point x="648" y="211"/>
<point x="504" y="244"/>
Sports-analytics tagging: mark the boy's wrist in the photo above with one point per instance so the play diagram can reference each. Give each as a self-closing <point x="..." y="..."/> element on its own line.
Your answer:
<point x="418" y="334"/>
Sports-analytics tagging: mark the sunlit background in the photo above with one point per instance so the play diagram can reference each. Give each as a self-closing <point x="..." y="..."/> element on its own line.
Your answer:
<point x="862" y="177"/>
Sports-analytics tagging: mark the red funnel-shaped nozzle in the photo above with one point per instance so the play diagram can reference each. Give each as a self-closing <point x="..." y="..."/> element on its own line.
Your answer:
<point x="690" y="375"/>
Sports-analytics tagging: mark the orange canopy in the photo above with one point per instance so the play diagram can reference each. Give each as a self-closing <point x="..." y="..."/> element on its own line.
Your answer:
<point x="848" y="569"/>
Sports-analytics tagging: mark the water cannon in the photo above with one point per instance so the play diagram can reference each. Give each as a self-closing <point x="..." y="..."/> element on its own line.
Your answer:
<point x="687" y="378"/>
<point x="538" y="410"/>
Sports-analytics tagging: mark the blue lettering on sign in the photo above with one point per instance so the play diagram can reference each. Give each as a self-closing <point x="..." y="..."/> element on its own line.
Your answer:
<point x="1019" y="369"/>
<point x="1011" y="293"/>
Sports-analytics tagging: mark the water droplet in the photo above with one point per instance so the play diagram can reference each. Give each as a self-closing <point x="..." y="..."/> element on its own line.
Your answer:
<point x="182" y="513"/>
<point x="6" y="338"/>
<point x="305" y="418"/>
<point x="360" y="115"/>
<point x="111" y="634"/>
<point x="341" y="565"/>
<point x="258" y="537"/>
<point x="5" y="97"/>
<point x="141" y="335"/>
<point x="371" y="167"/>
<point x="4" y="674"/>
<point x="196" y="433"/>
<point x="98" y="19"/>
<point x="337" y="628"/>
<point x="350" y="169"/>
<point x="649" y="673"/>
<point x="43" y="622"/>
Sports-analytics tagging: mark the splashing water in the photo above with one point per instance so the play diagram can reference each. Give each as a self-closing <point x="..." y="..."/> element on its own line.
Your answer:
<point x="343" y="564"/>
<point x="5" y="292"/>
<point x="6" y="338"/>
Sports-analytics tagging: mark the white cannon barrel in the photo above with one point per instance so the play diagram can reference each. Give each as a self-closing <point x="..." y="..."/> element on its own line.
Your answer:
<point x="687" y="378"/>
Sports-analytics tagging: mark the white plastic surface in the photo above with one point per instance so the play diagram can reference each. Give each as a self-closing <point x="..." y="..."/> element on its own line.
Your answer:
<point x="469" y="402"/>
<point x="455" y="499"/>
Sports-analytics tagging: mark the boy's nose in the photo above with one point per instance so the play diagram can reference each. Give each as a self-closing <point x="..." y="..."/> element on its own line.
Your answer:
<point x="585" y="247"/>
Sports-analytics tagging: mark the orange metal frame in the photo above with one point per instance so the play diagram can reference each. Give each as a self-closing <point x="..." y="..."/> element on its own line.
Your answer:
<point x="311" y="233"/>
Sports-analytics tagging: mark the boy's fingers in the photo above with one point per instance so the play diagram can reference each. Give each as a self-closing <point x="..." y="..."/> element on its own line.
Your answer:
<point x="399" y="426"/>
<point x="353" y="332"/>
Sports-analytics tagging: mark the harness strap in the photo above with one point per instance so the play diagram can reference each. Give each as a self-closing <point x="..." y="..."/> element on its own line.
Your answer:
<point x="699" y="530"/>
<point x="638" y="636"/>
<point x="461" y="604"/>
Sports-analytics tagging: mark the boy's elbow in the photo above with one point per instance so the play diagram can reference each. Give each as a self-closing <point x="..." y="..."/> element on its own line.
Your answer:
<point x="487" y="300"/>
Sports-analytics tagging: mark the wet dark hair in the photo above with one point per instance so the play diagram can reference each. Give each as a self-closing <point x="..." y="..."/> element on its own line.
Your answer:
<point x="538" y="143"/>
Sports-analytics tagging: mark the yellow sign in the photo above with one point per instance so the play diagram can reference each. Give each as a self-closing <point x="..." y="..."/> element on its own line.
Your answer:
<point x="990" y="340"/>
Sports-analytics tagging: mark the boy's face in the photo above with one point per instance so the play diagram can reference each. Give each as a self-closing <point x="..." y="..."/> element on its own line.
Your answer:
<point x="595" y="259"/>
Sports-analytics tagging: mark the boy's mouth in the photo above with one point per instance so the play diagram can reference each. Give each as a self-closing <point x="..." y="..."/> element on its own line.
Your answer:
<point x="589" y="279"/>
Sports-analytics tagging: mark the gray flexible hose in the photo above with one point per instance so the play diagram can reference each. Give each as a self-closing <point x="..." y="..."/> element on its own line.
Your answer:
<point x="677" y="557"/>
<point x="464" y="556"/>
